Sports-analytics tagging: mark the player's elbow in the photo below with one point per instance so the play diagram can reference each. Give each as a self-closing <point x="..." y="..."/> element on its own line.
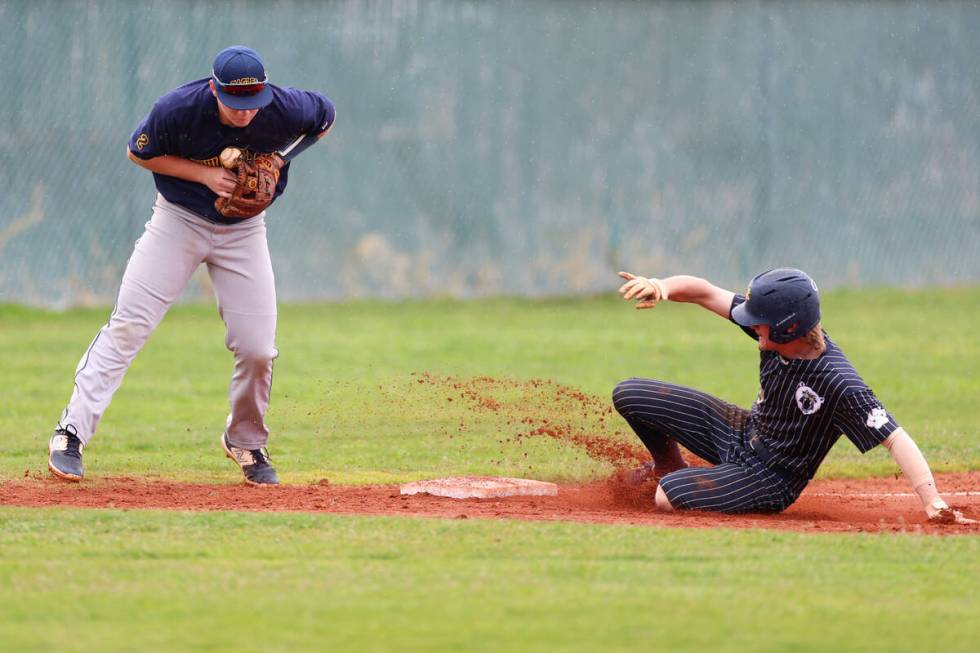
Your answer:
<point x="898" y="435"/>
<point x="135" y="159"/>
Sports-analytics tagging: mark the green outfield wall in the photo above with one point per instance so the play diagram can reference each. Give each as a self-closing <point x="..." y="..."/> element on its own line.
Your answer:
<point x="531" y="147"/>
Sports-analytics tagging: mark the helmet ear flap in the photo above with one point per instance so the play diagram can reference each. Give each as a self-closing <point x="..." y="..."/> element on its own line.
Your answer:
<point x="787" y="334"/>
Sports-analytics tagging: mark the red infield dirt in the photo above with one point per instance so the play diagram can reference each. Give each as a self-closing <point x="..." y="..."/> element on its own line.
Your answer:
<point x="868" y="505"/>
<point x="520" y="410"/>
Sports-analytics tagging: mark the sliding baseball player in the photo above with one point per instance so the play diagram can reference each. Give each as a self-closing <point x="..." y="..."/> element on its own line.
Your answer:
<point x="809" y="395"/>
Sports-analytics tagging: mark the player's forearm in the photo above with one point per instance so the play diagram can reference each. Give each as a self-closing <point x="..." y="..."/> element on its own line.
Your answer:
<point x="173" y="166"/>
<point x="685" y="288"/>
<point x="695" y="290"/>
<point x="915" y="468"/>
<point x="307" y="141"/>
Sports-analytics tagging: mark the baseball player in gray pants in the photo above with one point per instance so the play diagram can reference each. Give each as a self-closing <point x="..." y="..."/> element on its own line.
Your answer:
<point x="180" y="142"/>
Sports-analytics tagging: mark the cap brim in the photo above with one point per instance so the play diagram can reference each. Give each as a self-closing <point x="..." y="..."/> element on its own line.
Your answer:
<point x="742" y="316"/>
<point x="246" y="102"/>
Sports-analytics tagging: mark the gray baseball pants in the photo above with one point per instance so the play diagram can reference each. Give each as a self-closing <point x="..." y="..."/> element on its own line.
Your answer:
<point x="175" y="243"/>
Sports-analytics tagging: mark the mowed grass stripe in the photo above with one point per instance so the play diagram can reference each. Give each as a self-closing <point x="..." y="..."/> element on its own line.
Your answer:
<point x="119" y="581"/>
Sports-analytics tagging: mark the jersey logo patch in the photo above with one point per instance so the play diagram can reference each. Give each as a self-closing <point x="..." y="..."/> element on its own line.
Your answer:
<point x="808" y="401"/>
<point x="877" y="418"/>
<point x="142" y="141"/>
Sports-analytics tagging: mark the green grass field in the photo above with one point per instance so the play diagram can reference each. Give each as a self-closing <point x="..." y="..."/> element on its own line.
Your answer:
<point x="347" y="406"/>
<point x="113" y="581"/>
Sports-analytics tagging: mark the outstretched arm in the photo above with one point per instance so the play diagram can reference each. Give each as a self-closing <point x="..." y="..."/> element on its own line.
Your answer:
<point x="915" y="468"/>
<point x="681" y="288"/>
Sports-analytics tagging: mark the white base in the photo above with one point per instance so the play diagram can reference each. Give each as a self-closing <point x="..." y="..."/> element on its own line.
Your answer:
<point x="481" y="487"/>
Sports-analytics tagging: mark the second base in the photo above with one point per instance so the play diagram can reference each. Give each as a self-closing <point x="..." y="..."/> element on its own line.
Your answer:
<point x="481" y="487"/>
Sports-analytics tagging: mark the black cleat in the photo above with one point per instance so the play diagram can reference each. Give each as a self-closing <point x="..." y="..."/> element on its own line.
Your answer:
<point x="650" y="473"/>
<point x="254" y="463"/>
<point x="642" y="474"/>
<point x="65" y="455"/>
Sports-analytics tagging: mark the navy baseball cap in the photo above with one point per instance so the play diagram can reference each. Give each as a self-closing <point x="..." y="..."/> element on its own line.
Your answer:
<point x="239" y="78"/>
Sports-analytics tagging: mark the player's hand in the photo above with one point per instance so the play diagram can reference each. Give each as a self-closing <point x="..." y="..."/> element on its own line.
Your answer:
<point x="221" y="182"/>
<point x="647" y="292"/>
<point x="940" y="513"/>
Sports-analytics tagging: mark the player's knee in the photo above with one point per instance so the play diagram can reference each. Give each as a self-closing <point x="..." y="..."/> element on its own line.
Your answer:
<point x="128" y="334"/>
<point x="257" y="354"/>
<point x="621" y="396"/>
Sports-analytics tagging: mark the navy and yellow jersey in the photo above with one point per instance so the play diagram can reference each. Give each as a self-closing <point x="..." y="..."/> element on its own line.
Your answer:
<point x="804" y="406"/>
<point x="185" y="123"/>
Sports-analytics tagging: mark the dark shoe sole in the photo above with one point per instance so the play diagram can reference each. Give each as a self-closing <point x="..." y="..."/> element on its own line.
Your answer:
<point x="74" y="478"/>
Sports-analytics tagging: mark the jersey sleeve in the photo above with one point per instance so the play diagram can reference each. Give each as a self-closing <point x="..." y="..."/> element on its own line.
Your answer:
<point x="324" y="113"/>
<point x="315" y="113"/>
<point x="736" y="300"/>
<point x="863" y="419"/>
<point x="153" y="136"/>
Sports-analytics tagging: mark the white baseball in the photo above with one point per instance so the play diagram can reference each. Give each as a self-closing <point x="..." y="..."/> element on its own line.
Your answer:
<point x="229" y="157"/>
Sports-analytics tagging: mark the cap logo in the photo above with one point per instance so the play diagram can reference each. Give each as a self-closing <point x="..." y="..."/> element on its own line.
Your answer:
<point x="244" y="80"/>
<point x="748" y="293"/>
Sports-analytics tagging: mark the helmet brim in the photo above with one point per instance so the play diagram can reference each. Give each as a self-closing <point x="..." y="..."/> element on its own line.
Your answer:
<point x="742" y="316"/>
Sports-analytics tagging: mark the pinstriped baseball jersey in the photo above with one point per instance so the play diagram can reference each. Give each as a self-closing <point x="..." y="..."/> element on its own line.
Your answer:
<point x="763" y="457"/>
<point x="803" y="406"/>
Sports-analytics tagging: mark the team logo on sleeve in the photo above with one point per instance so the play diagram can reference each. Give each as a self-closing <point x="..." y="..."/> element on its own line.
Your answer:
<point x="142" y="141"/>
<point x="877" y="418"/>
<point x="808" y="401"/>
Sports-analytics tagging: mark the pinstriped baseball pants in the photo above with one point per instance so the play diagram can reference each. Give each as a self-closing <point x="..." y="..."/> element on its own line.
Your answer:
<point x="714" y="430"/>
<point x="174" y="244"/>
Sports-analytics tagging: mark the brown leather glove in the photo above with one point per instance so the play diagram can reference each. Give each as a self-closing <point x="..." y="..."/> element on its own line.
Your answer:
<point x="256" y="188"/>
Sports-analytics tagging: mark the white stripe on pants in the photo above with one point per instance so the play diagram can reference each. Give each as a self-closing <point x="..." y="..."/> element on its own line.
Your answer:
<point x="175" y="243"/>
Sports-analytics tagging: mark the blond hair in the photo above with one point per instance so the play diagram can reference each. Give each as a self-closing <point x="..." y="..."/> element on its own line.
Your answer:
<point x="814" y="338"/>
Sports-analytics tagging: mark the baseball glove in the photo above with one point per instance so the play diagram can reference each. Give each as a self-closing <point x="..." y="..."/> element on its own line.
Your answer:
<point x="256" y="187"/>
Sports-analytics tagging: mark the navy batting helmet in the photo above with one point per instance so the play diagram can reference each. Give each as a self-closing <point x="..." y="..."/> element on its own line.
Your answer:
<point x="784" y="298"/>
